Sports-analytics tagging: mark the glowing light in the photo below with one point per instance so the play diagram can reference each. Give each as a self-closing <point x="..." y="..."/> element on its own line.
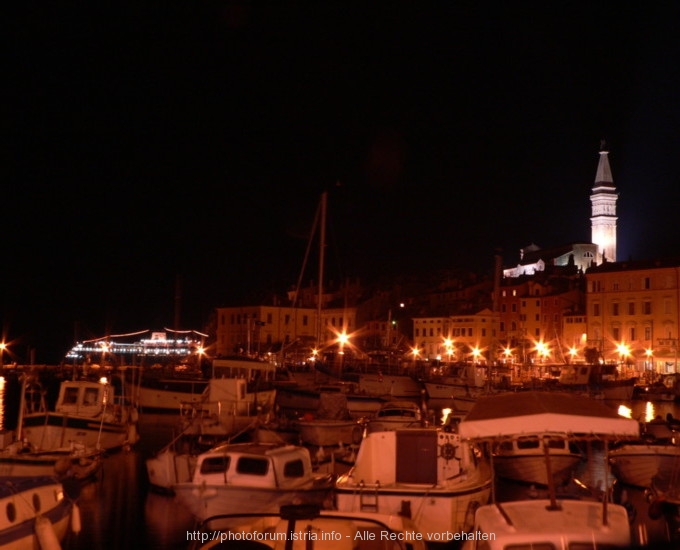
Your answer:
<point x="476" y="353"/>
<point x="573" y="352"/>
<point x="103" y="380"/>
<point x="650" y="412"/>
<point x="445" y="415"/>
<point x="623" y="349"/>
<point x="625" y="411"/>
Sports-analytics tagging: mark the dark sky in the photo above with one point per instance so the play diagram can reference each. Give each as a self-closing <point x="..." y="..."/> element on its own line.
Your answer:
<point x="154" y="141"/>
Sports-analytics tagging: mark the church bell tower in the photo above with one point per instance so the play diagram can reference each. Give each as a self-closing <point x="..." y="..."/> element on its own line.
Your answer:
<point x="603" y="220"/>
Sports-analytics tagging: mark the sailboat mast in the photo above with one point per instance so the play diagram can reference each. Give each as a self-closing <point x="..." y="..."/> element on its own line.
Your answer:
<point x="322" y="250"/>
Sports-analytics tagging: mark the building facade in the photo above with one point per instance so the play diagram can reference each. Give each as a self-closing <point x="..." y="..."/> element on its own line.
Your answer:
<point x="633" y="313"/>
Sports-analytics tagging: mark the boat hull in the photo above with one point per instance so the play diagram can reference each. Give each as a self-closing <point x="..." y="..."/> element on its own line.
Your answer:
<point x="166" y="395"/>
<point x="532" y="468"/>
<point x="637" y="465"/>
<point x="50" y="431"/>
<point x="211" y="500"/>
<point x="49" y="464"/>
<point x="168" y="468"/>
<point x="427" y="474"/>
<point x="324" y="433"/>
<point x="29" y="528"/>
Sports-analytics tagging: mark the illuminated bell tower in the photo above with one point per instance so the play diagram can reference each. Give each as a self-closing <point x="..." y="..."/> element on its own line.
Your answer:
<point x="603" y="220"/>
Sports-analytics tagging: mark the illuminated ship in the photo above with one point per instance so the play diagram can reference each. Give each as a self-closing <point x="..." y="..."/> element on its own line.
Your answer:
<point x="156" y="349"/>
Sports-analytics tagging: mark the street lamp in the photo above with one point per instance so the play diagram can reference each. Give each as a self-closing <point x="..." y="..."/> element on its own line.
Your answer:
<point x="573" y="352"/>
<point x="415" y="352"/>
<point x="3" y="346"/>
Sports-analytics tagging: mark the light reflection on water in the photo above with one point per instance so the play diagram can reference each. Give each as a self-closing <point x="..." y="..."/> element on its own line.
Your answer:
<point x="2" y="402"/>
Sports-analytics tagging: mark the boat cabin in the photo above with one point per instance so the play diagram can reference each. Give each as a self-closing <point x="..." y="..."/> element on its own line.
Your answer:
<point x="588" y="374"/>
<point x="254" y="465"/>
<point x="411" y="456"/>
<point x="534" y="443"/>
<point x="84" y="398"/>
<point x="534" y="524"/>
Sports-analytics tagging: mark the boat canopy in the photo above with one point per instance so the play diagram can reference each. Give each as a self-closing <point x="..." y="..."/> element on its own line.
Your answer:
<point x="526" y="413"/>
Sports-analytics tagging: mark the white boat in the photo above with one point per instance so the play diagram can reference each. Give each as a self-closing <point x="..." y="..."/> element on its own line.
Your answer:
<point x="427" y="474"/>
<point x="310" y="528"/>
<point x="555" y="522"/>
<point x="87" y="413"/>
<point x="226" y="408"/>
<point x="536" y="524"/>
<point x="20" y="458"/>
<point x="637" y="463"/>
<point x="523" y="458"/>
<point x="37" y="513"/>
<point x="457" y="380"/>
<point x="252" y="477"/>
<point x="394" y="415"/>
<point x="165" y="395"/>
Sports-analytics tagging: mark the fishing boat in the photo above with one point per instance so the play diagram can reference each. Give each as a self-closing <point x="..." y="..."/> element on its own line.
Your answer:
<point x="394" y="415"/>
<point x="554" y="521"/>
<point x="251" y="477"/>
<point x="87" y="413"/>
<point x="37" y="513"/>
<point x="523" y="458"/>
<point x="331" y="425"/>
<point x="596" y="381"/>
<point x="428" y="474"/>
<point x="304" y="398"/>
<point x="456" y="380"/>
<point x="301" y="527"/>
<point x="227" y="407"/>
<point x="20" y="458"/>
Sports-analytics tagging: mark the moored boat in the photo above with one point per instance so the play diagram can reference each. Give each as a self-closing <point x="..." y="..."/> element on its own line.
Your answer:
<point x="394" y="415"/>
<point x="226" y="408"/>
<point x="301" y="527"/>
<point x="597" y="381"/>
<point x="558" y="522"/>
<point x="523" y="458"/>
<point x="538" y="524"/>
<point x="638" y="463"/>
<point x="86" y="413"/>
<point x="37" y="513"/>
<point x="428" y="474"/>
<point x="75" y="462"/>
<point x="331" y="424"/>
<point x="250" y="478"/>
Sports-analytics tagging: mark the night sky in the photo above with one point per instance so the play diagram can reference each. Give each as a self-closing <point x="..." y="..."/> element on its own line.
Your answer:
<point x="193" y="141"/>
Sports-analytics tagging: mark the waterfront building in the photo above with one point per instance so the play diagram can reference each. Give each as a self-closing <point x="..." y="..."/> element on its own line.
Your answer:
<point x="633" y="313"/>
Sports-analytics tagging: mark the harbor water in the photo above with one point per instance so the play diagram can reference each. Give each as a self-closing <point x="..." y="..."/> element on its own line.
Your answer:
<point x="119" y="511"/>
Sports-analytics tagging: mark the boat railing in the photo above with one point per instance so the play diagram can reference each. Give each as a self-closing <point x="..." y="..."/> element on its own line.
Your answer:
<point x="215" y="409"/>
